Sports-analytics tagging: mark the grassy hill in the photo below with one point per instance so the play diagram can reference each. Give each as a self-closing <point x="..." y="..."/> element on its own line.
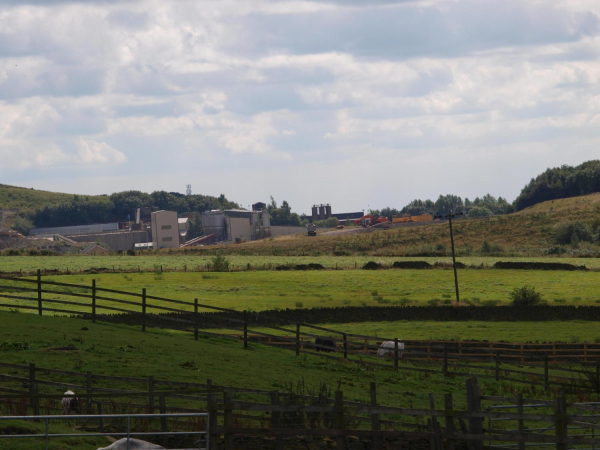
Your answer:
<point x="18" y="201"/>
<point x="528" y="232"/>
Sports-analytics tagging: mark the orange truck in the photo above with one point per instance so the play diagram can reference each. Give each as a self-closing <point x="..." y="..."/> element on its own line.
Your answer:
<point x="370" y="219"/>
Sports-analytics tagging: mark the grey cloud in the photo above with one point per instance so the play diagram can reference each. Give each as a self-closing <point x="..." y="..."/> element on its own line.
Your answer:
<point x="456" y="29"/>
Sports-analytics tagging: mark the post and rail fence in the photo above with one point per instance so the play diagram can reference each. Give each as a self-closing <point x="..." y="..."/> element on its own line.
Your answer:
<point x="485" y="422"/>
<point x="438" y="357"/>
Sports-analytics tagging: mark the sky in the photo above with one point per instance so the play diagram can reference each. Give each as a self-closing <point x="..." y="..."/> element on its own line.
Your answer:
<point x="357" y="103"/>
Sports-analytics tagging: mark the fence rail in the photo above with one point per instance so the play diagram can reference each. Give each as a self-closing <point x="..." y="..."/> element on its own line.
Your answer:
<point x="536" y="422"/>
<point x="448" y="359"/>
<point x="127" y="433"/>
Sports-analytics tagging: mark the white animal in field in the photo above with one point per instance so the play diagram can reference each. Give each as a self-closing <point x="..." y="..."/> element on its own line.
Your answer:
<point x="134" y="444"/>
<point x="387" y="349"/>
<point x="71" y="405"/>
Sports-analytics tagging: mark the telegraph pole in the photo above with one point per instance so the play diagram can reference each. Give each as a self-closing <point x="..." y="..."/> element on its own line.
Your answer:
<point x="453" y="257"/>
<point x="449" y="216"/>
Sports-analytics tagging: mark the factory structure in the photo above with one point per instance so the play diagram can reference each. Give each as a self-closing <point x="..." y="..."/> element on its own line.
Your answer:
<point x="154" y="229"/>
<point x="322" y="212"/>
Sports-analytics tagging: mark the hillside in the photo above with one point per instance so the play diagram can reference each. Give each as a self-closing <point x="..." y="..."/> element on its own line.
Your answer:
<point x="528" y="232"/>
<point x="17" y="200"/>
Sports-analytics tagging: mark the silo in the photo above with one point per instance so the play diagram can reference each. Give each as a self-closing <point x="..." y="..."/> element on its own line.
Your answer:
<point x="327" y="211"/>
<point x="322" y="212"/>
<point x="314" y="213"/>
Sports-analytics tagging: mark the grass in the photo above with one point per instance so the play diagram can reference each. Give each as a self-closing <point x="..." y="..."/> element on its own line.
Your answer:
<point x="169" y="355"/>
<point x="527" y="233"/>
<point x="555" y="331"/>
<point x="262" y="290"/>
<point x="178" y="262"/>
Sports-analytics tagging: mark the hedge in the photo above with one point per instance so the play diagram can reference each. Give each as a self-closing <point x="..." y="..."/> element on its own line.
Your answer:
<point x="521" y="265"/>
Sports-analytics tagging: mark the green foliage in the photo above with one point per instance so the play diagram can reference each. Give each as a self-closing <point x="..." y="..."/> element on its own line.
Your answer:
<point x="219" y="264"/>
<point x="195" y="227"/>
<point x="561" y="182"/>
<point x="23" y="225"/>
<point x="283" y="215"/>
<point x="572" y="233"/>
<point x="116" y="208"/>
<point x="480" y="211"/>
<point x="525" y="296"/>
<point x="332" y="222"/>
<point x="485" y="247"/>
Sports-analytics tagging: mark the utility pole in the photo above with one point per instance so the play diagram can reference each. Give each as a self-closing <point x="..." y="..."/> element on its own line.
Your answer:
<point x="449" y="216"/>
<point x="453" y="257"/>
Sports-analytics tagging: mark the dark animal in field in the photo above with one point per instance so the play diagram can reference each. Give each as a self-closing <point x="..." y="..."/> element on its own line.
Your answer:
<point x="325" y="345"/>
<point x="71" y="405"/>
<point x="134" y="444"/>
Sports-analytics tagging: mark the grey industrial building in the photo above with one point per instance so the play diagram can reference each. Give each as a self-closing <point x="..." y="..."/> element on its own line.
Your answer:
<point x="322" y="212"/>
<point x="236" y="225"/>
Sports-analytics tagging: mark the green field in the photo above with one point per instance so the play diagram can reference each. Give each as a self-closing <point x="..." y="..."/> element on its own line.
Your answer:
<point x="555" y="331"/>
<point x="265" y="290"/>
<point x="178" y="262"/>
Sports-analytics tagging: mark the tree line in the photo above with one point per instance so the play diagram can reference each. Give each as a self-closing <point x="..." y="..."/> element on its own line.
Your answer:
<point x="121" y="206"/>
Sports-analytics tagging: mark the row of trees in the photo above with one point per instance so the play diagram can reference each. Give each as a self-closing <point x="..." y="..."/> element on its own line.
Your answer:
<point x="561" y="182"/>
<point x="488" y="205"/>
<point x="118" y="207"/>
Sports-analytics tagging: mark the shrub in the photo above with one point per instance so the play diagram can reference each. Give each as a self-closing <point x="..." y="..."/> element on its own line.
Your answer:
<point x="219" y="263"/>
<point x="485" y="247"/>
<point x="525" y="296"/>
<point x="571" y="233"/>
<point x="440" y="247"/>
<point x="299" y="304"/>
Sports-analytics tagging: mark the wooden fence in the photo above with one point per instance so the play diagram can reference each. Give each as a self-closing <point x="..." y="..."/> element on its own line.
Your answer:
<point x="54" y="297"/>
<point x="370" y="425"/>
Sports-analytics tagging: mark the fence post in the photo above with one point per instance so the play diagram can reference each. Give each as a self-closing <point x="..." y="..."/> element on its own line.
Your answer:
<point x="297" y="339"/>
<point x="375" y="424"/>
<point x="497" y="366"/>
<point x="339" y="419"/>
<point x="437" y="439"/>
<point x="474" y="406"/>
<point x="245" y="329"/>
<point x="195" y="319"/>
<point x="39" y="291"/>
<point x="445" y="360"/>
<point x="227" y="420"/>
<point x="276" y="415"/>
<point x="213" y="417"/>
<point x="89" y="385"/>
<point x="521" y="424"/>
<point x="143" y="309"/>
<point x="546" y="377"/>
<point x="597" y="376"/>
<point x="345" y="345"/>
<point x="163" y="420"/>
<point x="101" y="420"/>
<point x="34" y="400"/>
<point x="560" y="412"/>
<point x="396" y="354"/>
<point x="151" y="394"/>
<point x="449" y="420"/>
<point x="93" y="301"/>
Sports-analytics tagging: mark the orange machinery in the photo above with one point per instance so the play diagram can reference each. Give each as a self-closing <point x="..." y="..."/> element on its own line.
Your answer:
<point x="370" y="219"/>
<point x="407" y="218"/>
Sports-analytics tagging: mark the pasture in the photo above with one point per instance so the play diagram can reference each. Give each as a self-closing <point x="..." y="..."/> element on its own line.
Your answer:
<point x="267" y="290"/>
<point x="554" y="331"/>
<point x="179" y="261"/>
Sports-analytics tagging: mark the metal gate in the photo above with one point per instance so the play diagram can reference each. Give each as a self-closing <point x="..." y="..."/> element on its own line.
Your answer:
<point x="202" y="442"/>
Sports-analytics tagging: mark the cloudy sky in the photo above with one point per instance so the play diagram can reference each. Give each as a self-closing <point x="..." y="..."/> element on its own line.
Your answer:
<point x="358" y="103"/>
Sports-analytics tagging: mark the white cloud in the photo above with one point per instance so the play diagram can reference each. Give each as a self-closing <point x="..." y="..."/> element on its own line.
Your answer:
<point x="92" y="152"/>
<point x="354" y="89"/>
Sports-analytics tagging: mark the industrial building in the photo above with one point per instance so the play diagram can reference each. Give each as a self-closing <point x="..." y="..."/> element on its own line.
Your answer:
<point x="322" y="212"/>
<point x="165" y="229"/>
<point x="79" y="229"/>
<point x="237" y="225"/>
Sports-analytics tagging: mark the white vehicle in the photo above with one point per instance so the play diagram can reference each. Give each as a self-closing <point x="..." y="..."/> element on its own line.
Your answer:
<point x="387" y="349"/>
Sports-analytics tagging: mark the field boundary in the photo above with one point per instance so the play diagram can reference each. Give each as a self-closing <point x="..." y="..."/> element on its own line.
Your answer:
<point x="359" y="349"/>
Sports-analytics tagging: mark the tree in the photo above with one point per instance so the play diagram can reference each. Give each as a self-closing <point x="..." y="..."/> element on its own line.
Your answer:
<point x="194" y="227"/>
<point x="525" y="296"/>
<point x="282" y="215"/>
<point x="480" y="211"/>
